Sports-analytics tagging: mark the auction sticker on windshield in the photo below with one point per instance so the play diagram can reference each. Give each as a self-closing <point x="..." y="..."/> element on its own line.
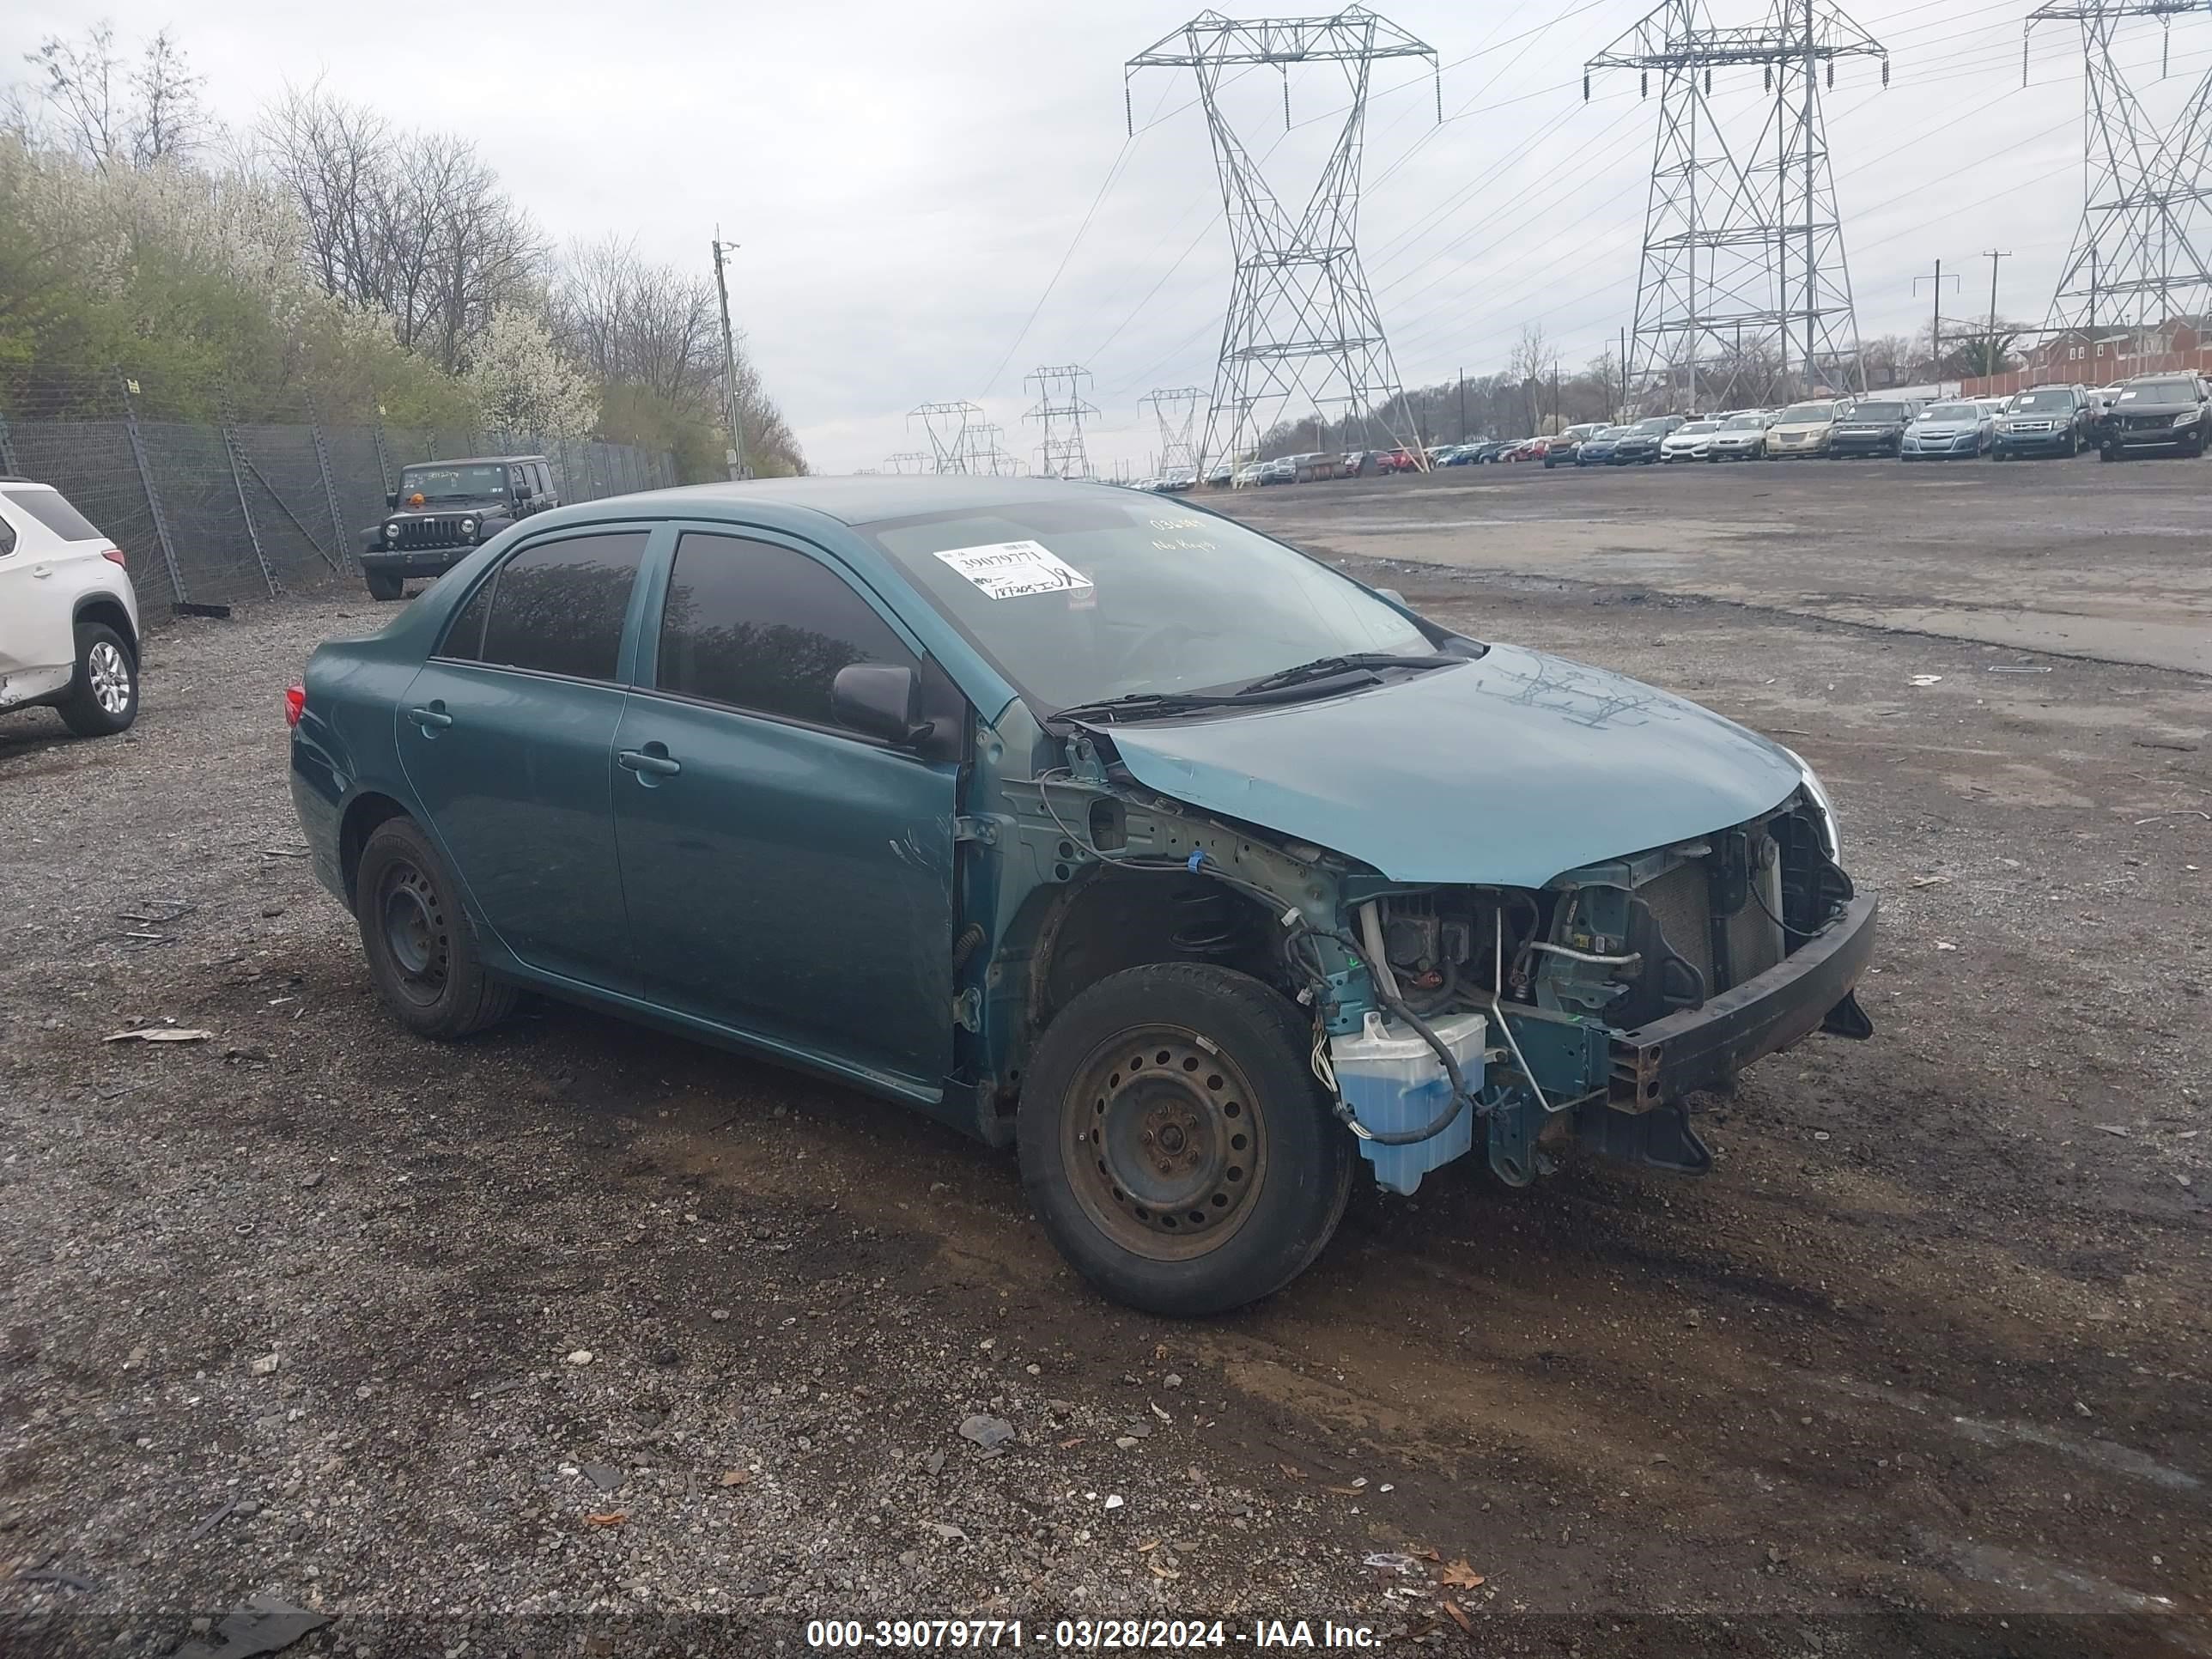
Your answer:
<point x="1007" y="570"/>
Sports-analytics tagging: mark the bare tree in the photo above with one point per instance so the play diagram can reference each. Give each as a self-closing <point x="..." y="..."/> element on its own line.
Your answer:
<point x="644" y="325"/>
<point x="78" y="80"/>
<point x="169" y="123"/>
<point x="653" y="330"/>
<point x="105" y="114"/>
<point x="415" y="225"/>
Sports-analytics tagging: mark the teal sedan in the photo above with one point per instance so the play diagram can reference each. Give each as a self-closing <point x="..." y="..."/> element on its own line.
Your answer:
<point x="1097" y="825"/>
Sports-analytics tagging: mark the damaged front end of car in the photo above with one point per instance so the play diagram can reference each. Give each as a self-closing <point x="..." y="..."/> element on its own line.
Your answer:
<point x="1517" y="1020"/>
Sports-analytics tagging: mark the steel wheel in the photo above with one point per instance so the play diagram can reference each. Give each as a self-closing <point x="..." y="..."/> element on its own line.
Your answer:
<point x="1172" y="1151"/>
<point x="412" y="921"/>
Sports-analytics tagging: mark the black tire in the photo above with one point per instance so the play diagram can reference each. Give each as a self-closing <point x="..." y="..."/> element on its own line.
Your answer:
<point x="385" y="587"/>
<point x="2108" y="454"/>
<point x="103" y="696"/>
<point x="422" y="952"/>
<point x="1262" y="1162"/>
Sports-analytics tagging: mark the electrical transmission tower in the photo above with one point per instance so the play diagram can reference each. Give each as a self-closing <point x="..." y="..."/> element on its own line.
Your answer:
<point x="946" y="423"/>
<point x="983" y="455"/>
<point x="1176" y="410"/>
<point x="2139" y="256"/>
<point x="908" y="461"/>
<point x="1743" y="276"/>
<point x="1059" y="409"/>
<point x="1302" y="320"/>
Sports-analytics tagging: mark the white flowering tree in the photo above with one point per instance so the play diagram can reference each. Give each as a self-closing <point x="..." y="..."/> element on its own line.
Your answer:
<point x="524" y="385"/>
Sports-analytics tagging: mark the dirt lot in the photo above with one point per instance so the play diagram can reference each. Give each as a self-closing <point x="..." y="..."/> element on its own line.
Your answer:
<point x="1922" y="1367"/>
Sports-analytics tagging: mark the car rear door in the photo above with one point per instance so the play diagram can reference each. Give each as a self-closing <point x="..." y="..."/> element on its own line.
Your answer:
<point x="506" y="736"/>
<point x="787" y="879"/>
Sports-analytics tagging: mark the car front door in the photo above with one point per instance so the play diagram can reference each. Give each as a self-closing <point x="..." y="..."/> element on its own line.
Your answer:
<point x="508" y="736"/>
<point x="787" y="879"/>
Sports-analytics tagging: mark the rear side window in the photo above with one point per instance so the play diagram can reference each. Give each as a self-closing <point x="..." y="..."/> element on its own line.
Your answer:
<point x="557" y="607"/>
<point x="52" y="510"/>
<point x="761" y="628"/>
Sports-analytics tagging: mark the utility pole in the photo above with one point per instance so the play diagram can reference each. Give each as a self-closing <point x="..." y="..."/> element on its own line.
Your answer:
<point x="1936" y="329"/>
<point x="1993" y="254"/>
<point x="1462" y="405"/>
<point x="733" y="411"/>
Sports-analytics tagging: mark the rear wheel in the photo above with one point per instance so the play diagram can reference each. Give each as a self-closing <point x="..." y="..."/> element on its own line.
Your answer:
<point x="1174" y="1143"/>
<point x="385" y="587"/>
<point x="103" y="697"/>
<point x="422" y="952"/>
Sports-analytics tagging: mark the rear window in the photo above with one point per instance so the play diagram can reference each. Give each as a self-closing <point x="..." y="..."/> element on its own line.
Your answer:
<point x="50" y="508"/>
<point x="556" y="608"/>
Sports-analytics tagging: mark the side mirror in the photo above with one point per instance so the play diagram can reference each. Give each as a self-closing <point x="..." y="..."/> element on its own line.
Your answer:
<point x="1393" y="596"/>
<point x="391" y="499"/>
<point x="879" y="700"/>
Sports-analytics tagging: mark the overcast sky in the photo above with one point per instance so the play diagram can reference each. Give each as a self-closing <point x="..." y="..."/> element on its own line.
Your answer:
<point x="905" y="179"/>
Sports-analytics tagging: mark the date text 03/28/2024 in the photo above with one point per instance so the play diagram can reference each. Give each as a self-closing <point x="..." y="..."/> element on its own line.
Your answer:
<point x="1086" y="1635"/>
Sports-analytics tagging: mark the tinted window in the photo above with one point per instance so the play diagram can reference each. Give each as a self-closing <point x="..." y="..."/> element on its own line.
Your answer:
<point x="763" y="627"/>
<point x="1878" y="411"/>
<point x="50" y="509"/>
<point x="465" y="635"/>
<point x="557" y="607"/>
<point x="2161" y="391"/>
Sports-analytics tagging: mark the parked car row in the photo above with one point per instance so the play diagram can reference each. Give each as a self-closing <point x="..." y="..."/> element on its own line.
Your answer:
<point x="2170" y="411"/>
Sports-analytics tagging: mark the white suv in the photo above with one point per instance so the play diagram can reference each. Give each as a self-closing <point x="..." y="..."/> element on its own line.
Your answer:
<point x="69" y="617"/>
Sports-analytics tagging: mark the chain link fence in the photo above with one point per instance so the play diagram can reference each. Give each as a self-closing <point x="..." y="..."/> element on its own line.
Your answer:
<point x="226" y="510"/>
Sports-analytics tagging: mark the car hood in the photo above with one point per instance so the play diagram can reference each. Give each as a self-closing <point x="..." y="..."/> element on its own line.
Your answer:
<point x="447" y="509"/>
<point x="1506" y="769"/>
<point x="1949" y="428"/>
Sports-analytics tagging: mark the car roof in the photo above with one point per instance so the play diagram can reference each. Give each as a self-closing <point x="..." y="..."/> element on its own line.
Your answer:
<point x="29" y="483"/>
<point x="472" y="460"/>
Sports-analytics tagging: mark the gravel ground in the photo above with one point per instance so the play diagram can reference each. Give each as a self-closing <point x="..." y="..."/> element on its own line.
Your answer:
<point x="576" y="1338"/>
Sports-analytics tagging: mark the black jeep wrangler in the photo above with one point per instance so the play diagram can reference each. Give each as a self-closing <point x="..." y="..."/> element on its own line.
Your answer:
<point x="442" y="509"/>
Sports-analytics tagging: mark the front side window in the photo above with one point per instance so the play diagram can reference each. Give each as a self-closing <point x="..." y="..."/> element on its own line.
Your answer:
<point x="555" y="607"/>
<point x="1089" y="596"/>
<point x="761" y="628"/>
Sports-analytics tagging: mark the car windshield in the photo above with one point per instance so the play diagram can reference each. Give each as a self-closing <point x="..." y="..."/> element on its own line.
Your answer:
<point x="1745" y="423"/>
<point x="1697" y="426"/>
<point x="2159" y="391"/>
<point x="1656" y="424"/>
<point x="1952" y="412"/>
<point x="1806" y="414"/>
<point x="1878" y="411"/>
<point x="1090" y="598"/>
<point x="435" y="483"/>
<point x="2044" y="400"/>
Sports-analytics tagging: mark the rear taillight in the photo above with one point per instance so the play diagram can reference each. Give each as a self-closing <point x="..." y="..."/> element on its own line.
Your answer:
<point x="295" y="703"/>
<point x="114" y="555"/>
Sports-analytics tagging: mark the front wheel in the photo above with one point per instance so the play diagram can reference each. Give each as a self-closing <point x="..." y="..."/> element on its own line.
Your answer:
<point x="2108" y="454"/>
<point x="1174" y="1143"/>
<point x="103" y="697"/>
<point x="422" y="951"/>
<point x="385" y="587"/>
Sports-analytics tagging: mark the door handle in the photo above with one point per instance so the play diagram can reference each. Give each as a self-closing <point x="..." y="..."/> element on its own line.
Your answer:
<point x="433" y="718"/>
<point x="652" y="761"/>
<point x="40" y="572"/>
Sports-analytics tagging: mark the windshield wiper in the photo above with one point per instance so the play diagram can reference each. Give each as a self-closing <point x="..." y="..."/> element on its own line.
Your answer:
<point x="1327" y="668"/>
<point x="1141" y="705"/>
